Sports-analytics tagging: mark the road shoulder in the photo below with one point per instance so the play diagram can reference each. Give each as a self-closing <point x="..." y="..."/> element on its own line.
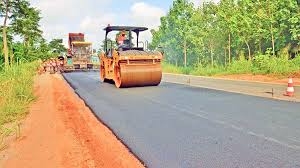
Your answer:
<point x="253" y="88"/>
<point x="60" y="131"/>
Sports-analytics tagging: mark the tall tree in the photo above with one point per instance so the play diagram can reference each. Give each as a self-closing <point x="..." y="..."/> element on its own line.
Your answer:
<point x="178" y="22"/>
<point x="23" y="20"/>
<point x="245" y="23"/>
<point x="210" y="28"/>
<point x="5" y="8"/>
<point x="56" y="45"/>
<point x="216" y="33"/>
<point x="295" y="26"/>
<point x="226" y="11"/>
<point x="26" y="23"/>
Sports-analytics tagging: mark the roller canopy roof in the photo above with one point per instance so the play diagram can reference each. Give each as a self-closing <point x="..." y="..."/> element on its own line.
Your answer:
<point x="126" y="28"/>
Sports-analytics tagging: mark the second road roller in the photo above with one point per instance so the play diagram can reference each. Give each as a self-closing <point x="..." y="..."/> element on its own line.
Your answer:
<point x="127" y="61"/>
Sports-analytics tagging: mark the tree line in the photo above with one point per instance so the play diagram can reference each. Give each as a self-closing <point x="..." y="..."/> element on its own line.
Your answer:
<point x="216" y="34"/>
<point x="21" y="37"/>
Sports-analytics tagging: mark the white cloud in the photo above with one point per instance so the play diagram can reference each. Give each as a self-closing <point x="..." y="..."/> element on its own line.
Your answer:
<point x="59" y="17"/>
<point x="200" y="2"/>
<point x="143" y="14"/>
<point x="93" y="24"/>
<point x="92" y="27"/>
<point x="146" y="15"/>
<point x="53" y="11"/>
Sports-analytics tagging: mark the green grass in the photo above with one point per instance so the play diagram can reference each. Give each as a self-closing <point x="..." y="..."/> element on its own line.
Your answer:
<point x="261" y="64"/>
<point x="207" y="71"/>
<point x="16" y="92"/>
<point x="169" y="68"/>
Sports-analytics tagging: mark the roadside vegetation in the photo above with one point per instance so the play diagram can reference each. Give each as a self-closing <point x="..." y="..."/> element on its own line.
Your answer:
<point x="265" y="65"/>
<point x="16" y="94"/>
<point x="230" y="37"/>
<point x="22" y="48"/>
<point x="16" y="91"/>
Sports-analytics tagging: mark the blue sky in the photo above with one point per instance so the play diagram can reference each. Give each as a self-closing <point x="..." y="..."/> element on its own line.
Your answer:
<point x="90" y="16"/>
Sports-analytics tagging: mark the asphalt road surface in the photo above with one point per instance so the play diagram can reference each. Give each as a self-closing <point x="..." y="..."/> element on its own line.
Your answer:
<point x="175" y="125"/>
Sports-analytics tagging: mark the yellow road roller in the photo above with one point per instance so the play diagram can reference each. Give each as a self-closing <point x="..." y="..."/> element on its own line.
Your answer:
<point x="127" y="61"/>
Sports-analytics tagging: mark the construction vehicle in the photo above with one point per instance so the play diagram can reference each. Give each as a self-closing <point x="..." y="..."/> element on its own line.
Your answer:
<point x="129" y="65"/>
<point x="80" y="54"/>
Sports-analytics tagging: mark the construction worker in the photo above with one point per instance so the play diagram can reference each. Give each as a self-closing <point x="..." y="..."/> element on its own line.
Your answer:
<point x="120" y="40"/>
<point x="50" y="66"/>
<point x="47" y="65"/>
<point x="61" y="64"/>
<point x="44" y="66"/>
<point x="53" y="65"/>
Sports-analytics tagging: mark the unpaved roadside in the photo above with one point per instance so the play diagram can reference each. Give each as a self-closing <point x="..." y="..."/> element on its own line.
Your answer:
<point x="254" y="88"/>
<point x="60" y="131"/>
<point x="261" y="78"/>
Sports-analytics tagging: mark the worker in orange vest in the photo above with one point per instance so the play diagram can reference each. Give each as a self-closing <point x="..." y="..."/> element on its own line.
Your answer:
<point x="61" y="65"/>
<point x="45" y="66"/>
<point x="120" y="40"/>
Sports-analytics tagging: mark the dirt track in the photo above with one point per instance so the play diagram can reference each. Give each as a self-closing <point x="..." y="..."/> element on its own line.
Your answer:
<point x="262" y="78"/>
<point x="60" y="131"/>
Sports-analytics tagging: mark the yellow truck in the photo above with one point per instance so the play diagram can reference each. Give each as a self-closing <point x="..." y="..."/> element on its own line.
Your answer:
<point x="80" y="54"/>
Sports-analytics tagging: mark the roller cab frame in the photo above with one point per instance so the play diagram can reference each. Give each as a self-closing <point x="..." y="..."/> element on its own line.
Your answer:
<point x="129" y="65"/>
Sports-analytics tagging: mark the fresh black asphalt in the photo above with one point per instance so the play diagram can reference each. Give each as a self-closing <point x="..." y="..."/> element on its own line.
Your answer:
<point x="174" y="125"/>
